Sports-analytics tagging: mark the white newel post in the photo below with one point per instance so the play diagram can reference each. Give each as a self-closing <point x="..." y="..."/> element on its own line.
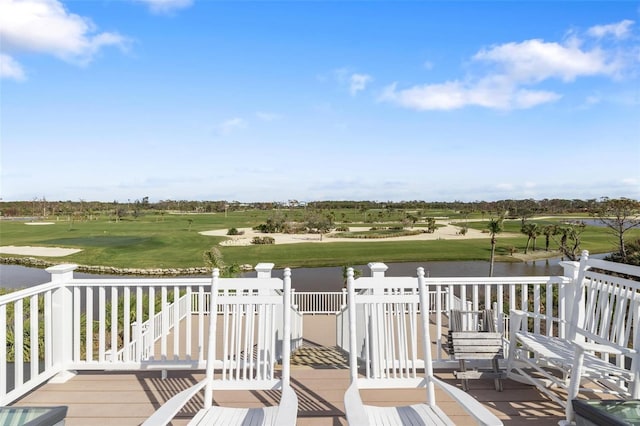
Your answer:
<point x="377" y="271"/>
<point x="264" y="272"/>
<point x="572" y="293"/>
<point x="62" y="320"/>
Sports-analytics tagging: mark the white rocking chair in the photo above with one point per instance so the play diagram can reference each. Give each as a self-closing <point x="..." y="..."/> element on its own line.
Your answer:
<point x="251" y="339"/>
<point x="385" y="317"/>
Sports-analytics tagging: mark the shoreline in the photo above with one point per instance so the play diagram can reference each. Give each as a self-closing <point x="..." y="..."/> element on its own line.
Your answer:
<point x="33" y="262"/>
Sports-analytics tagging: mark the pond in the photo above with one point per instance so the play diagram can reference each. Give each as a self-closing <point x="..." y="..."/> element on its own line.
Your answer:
<point x="330" y="278"/>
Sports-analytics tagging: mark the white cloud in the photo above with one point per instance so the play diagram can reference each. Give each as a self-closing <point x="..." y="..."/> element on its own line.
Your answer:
<point x="524" y="99"/>
<point x="45" y="26"/>
<point x="513" y="69"/>
<point x="268" y="116"/>
<point x="358" y="82"/>
<point x="535" y="60"/>
<point x="631" y="182"/>
<point x="228" y="126"/>
<point x="488" y="93"/>
<point x="10" y="69"/>
<point x="619" y="30"/>
<point x="166" y="6"/>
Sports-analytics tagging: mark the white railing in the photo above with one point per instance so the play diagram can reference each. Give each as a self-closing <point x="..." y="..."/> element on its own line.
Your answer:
<point x="317" y="302"/>
<point x="543" y="295"/>
<point x="305" y="302"/>
<point x="105" y="324"/>
<point x="27" y="329"/>
<point x="149" y="335"/>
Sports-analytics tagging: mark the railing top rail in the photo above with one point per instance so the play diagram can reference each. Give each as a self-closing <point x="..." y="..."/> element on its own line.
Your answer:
<point x="534" y="279"/>
<point x="250" y="283"/>
<point x="385" y="282"/>
<point x="621" y="268"/>
<point x="27" y="292"/>
<point x="141" y="281"/>
<point x="409" y="282"/>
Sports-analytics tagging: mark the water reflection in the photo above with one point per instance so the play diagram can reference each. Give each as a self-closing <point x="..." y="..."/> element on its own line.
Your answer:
<point x="329" y="278"/>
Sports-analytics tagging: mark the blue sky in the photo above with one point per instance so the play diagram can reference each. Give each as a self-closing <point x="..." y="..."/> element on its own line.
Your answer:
<point x="313" y="100"/>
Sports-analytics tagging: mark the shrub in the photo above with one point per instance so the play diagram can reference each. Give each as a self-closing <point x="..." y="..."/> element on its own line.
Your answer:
<point x="342" y="229"/>
<point x="263" y="240"/>
<point x="234" y="231"/>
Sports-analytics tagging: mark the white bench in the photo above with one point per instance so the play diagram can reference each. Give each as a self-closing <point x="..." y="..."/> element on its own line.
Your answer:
<point x="599" y="351"/>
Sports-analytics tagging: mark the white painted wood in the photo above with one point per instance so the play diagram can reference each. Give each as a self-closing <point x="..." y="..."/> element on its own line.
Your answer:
<point x="175" y="324"/>
<point x="244" y="314"/>
<point x="18" y="355"/>
<point x="152" y="323"/>
<point x="3" y="354"/>
<point x="33" y="335"/>
<point x="391" y="313"/>
<point x="101" y="323"/>
<point x="113" y="349"/>
<point x="126" y="328"/>
<point x="605" y="311"/>
<point x="89" y="324"/>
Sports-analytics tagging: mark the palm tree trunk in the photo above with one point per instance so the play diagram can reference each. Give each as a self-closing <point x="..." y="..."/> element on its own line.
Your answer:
<point x="493" y="251"/>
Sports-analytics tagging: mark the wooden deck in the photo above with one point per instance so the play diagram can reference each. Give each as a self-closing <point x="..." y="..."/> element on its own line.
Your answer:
<point x="319" y="375"/>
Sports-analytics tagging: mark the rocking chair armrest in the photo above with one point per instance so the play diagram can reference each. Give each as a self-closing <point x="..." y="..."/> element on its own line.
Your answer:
<point x="604" y="348"/>
<point x="516" y="318"/>
<point x="288" y="407"/>
<point x="353" y="406"/>
<point x="478" y="411"/>
<point x="169" y="409"/>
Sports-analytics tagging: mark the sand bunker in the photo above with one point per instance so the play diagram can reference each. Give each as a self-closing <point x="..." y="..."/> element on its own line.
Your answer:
<point x="446" y="232"/>
<point x="38" y="251"/>
<point x="39" y="223"/>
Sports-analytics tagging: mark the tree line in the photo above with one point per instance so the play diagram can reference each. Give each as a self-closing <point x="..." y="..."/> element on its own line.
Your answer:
<point x="41" y="207"/>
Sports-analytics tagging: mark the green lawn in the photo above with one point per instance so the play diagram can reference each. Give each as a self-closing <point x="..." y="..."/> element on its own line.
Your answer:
<point x="173" y="241"/>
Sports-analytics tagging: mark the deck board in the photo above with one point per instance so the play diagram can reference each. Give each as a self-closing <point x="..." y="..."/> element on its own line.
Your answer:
<point x="128" y="398"/>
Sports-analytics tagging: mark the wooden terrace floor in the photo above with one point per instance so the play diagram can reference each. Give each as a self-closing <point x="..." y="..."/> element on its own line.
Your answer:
<point x="319" y="375"/>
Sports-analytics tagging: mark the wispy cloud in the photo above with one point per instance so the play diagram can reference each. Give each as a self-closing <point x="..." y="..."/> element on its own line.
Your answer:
<point x="514" y="69"/>
<point x="619" y="30"/>
<point x="45" y="26"/>
<point x="231" y="125"/>
<point x="535" y="60"/>
<point x="10" y="69"/>
<point x="494" y="93"/>
<point x="165" y="6"/>
<point x="268" y="116"/>
<point x="358" y="82"/>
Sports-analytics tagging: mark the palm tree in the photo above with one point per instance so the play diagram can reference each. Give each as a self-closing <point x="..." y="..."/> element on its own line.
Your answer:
<point x="531" y="231"/>
<point x="495" y="227"/>
<point x="548" y="231"/>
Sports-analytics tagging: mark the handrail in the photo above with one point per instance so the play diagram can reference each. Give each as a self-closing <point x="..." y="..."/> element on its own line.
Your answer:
<point x="106" y="323"/>
<point x="146" y="337"/>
